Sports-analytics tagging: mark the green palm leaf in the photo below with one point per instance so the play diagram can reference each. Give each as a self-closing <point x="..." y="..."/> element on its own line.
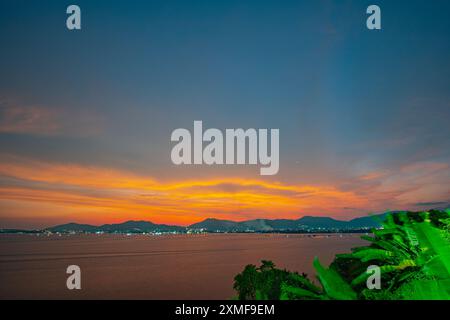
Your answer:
<point x="334" y="286"/>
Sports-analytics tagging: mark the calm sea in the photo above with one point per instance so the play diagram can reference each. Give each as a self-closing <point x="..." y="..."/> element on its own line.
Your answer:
<point x="152" y="267"/>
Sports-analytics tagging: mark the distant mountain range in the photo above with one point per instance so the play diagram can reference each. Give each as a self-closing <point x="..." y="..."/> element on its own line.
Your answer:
<point x="307" y="223"/>
<point x="125" y="227"/>
<point x="304" y="224"/>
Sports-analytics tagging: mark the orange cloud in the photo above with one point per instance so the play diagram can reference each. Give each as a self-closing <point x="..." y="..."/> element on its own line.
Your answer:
<point x="104" y="195"/>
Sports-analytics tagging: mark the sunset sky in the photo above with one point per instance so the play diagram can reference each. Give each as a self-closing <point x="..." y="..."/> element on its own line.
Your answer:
<point x="86" y="116"/>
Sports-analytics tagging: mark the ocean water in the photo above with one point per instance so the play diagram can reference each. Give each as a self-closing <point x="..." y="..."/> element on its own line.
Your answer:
<point x="152" y="267"/>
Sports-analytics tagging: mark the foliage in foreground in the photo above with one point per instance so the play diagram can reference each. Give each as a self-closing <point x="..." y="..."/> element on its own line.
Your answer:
<point x="412" y="250"/>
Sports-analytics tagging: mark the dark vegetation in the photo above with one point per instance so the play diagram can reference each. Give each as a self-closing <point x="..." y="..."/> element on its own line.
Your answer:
<point x="412" y="251"/>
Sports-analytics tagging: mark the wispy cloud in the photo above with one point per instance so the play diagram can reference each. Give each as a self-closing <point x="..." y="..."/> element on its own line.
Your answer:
<point x="19" y="118"/>
<point x="27" y="119"/>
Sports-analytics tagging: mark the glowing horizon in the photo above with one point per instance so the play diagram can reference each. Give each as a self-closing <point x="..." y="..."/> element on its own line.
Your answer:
<point x="88" y="194"/>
